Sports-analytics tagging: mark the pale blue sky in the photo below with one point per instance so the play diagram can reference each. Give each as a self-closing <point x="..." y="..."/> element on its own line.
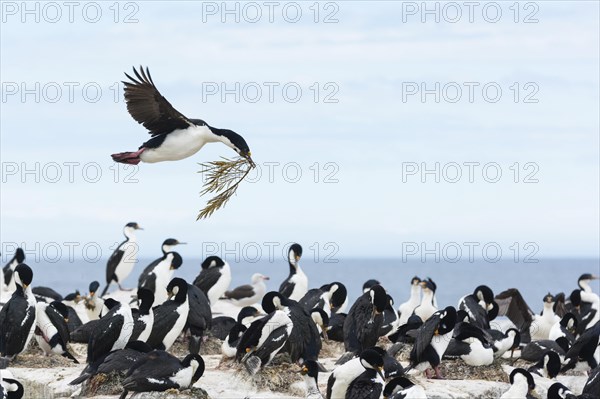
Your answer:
<point x="370" y="54"/>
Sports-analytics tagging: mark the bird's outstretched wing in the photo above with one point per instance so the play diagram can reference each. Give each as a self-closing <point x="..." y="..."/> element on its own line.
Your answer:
<point x="147" y="106"/>
<point x="513" y="306"/>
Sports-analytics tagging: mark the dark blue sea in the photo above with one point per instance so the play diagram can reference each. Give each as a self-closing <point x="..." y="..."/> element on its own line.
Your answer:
<point x="454" y="280"/>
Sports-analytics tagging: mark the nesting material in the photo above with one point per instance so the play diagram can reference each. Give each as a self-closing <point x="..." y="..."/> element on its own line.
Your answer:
<point x="222" y="178"/>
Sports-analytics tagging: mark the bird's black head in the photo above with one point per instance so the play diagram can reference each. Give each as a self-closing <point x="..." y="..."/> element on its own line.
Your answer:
<point x="415" y="280"/>
<point x="339" y="295"/>
<point x="586" y="278"/>
<point x="195" y="361"/>
<point x="146" y="298"/>
<point x="575" y="298"/>
<point x="432" y="284"/>
<point x="395" y="385"/>
<point x="169" y="243"/>
<point x="294" y="253"/>
<point x="559" y="391"/>
<point x="20" y="255"/>
<point x="569" y="321"/>
<point x="563" y="342"/>
<point x="311" y="368"/>
<point x="111" y="303"/>
<point x="176" y="261"/>
<point x="94" y="285"/>
<point x="272" y="301"/>
<point x="24" y="275"/>
<point x="428" y="285"/>
<point x="234" y="141"/>
<point x="371" y="359"/>
<point x="484" y="293"/>
<point x="379" y="298"/>
<point x="517" y="337"/>
<point x="247" y="311"/>
<point x="548" y="298"/>
<point x="61" y="308"/>
<point x="369" y="283"/>
<point x="493" y="312"/>
<point x="524" y="373"/>
<point x="178" y="287"/>
<point x="133" y="226"/>
<point x="212" y="261"/>
<point x="448" y="320"/>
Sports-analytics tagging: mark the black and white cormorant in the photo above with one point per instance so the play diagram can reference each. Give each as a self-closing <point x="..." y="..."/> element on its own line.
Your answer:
<point x="161" y="371"/>
<point x="391" y="321"/>
<point x="157" y="279"/>
<point x="119" y="361"/>
<point x="332" y="298"/>
<point x="567" y="327"/>
<point x="521" y="385"/>
<point x="477" y="305"/>
<point x="304" y="341"/>
<point x="143" y="318"/>
<point x="264" y="339"/>
<point x="295" y="285"/>
<point x="171" y="317"/>
<point x="18" y="315"/>
<point x="111" y="332"/>
<point x="234" y="333"/>
<point x="471" y="345"/>
<point x="369" y="384"/>
<point x="321" y="320"/>
<point x="431" y="341"/>
<point x="123" y="259"/>
<point x="221" y="325"/>
<point x="9" y="268"/>
<point x="588" y="307"/>
<point x="174" y="136"/>
<point x="214" y="278"/>
<point x="428" y="306"/>
<point x="407" y="308"/>
<point x="403" y="388"/>
<point x="362" y="324"/>
<point x="548" y="366"/>
<point x="335" y="328"/>
<point x="199" y="317"/>
<point x="51" y="331"/>
<point x="248" y="294"/>
<point x="93" y="302"/>
<point x="535" y="350"/>
<point x="167" y="246"/>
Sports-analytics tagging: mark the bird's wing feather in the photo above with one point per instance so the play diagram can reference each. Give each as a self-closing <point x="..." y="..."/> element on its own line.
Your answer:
<point x="243" y="291"/>
<point x="113" y="262"/>
<point x="512" y="305"/>
<point x="424" y="335"/>
<point x="60" y="324"/>
<point x="147" y="106"/>
<point x="207" y="278"/>
<point x="104" y="335"/>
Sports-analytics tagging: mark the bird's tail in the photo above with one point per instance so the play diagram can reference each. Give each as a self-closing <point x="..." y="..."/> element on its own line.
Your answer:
<point x="68" y="355"/>
<point x="130" y="158"/>
<point x="80" y="379"/>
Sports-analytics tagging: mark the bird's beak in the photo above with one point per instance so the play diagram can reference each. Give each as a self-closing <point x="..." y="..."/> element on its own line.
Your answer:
<point x="325" y="337"/>
<point x="140" y="228"/>
<point x="380" y="372"/>
<point x="170" y="294"/>
<point x="66" y="319"/>
<point x="25" y="286"/>
<point x="297" y="258"/>
<point x="248" y="157"/>
<point x="266" y="278"/>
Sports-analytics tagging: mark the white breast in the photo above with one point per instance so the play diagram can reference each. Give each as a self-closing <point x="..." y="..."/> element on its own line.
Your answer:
<point x="128" y="261"/>
<point x="300" y="284"/>
<point x="179" y="144"/>
<point x="479" y="355"/>
<point x="344" y="375"/>
<point x="148" y="319"/>
<point x="216" y="291"/>
<point x="127" y="328"/>
<point x="172" y="335"/>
